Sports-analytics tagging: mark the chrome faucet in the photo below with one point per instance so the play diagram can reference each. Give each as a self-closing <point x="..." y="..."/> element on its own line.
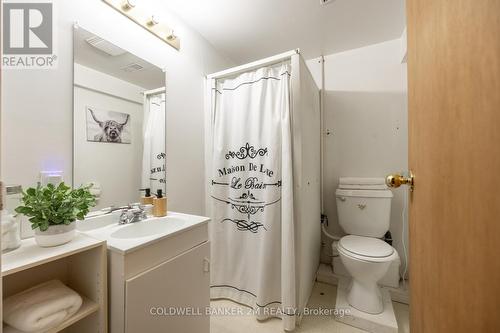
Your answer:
<point x="134" y="213"/>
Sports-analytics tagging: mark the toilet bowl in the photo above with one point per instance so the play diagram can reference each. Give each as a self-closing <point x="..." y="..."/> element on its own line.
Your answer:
<point x="367" y="259"/>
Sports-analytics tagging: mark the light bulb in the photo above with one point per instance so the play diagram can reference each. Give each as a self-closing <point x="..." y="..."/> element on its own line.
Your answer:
<point x="129" y="4"/>
<point x="171" y="36"/>
<point x="153" y="20"/>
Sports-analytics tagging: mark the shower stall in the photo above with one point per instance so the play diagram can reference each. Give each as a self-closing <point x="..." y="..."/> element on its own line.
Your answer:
<point x="263" y="177"/>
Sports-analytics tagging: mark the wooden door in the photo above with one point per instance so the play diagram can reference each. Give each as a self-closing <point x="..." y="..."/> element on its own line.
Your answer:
<point x="454" y="151"/>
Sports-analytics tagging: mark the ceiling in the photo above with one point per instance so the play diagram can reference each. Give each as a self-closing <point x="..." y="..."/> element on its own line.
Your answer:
<point x="150" y="77"/>
<point x="246" y="30"/>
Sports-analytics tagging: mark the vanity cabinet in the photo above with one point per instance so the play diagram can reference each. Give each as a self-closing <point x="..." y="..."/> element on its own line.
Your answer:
<point x="173" y="295"/>
<point x="171" y="274"/>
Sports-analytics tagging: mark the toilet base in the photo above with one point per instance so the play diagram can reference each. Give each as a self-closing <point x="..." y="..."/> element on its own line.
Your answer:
<point x="365" y="297"/>
<point x="384" y="322"/>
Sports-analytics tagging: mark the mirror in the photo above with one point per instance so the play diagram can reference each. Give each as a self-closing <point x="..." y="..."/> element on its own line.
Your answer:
<point x="119" y="121"/>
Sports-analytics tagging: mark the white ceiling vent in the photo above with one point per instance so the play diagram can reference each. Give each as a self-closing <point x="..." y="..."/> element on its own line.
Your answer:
<point x="132" y="67"/>
<point x="325" y="2"/>
<point x="105" y="46"/>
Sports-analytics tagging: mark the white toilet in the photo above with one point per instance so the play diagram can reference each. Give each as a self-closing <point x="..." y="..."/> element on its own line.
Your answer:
<point x="364" y="209"/>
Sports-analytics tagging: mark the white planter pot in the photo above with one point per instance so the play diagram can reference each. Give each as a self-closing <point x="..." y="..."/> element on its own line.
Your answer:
<point x="55" y="235"/>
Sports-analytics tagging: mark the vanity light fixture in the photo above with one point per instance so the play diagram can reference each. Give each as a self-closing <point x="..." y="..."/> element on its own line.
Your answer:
<point x="134" y="10"/>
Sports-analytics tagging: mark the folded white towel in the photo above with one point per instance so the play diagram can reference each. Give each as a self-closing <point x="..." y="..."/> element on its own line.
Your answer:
<point x="41" y="307"/>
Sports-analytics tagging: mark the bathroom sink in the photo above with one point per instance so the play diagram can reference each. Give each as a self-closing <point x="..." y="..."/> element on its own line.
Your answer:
<point x="97" y="222"/>
<point x="125" y="238"/>
<point x="148" y="228"/>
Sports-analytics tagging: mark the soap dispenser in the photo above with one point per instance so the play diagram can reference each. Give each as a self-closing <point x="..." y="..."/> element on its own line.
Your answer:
<point x="147" y="199"/>
<point x="159" y="204"/>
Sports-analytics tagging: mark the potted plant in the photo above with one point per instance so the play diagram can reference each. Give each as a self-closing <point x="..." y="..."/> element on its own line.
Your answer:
<point x="53" y="209"/>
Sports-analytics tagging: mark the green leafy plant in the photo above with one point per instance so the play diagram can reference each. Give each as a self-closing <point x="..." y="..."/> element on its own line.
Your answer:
<point x="55" y="205"/>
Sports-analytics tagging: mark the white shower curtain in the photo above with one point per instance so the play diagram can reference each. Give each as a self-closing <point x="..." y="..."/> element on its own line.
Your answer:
<point x="153" y="160"/>
<point x="252" y="227"/>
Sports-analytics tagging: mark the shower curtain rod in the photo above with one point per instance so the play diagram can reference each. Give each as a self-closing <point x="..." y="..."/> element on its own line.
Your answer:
<point x="253" y="65"/>
<point x="153" y="91"/>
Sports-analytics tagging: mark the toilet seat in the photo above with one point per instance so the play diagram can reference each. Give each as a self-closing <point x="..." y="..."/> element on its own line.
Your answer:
<point x="366" y="248"/>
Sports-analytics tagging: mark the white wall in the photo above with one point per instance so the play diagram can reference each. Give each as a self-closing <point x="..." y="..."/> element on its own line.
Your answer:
<point x="92" y="79"/>
<point x="37" y="114"/>
<point x="366" y="115"/>
<point x="117" y="168"/>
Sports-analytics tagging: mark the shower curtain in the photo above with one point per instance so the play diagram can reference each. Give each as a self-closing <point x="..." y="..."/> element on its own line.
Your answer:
<point x="252" y="227"/>
<point x="153" y="160"/>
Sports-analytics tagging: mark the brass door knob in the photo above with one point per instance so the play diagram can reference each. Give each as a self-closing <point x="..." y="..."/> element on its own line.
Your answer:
<point x="396" y="180"/>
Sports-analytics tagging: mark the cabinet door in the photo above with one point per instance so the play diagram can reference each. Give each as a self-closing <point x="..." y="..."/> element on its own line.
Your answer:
<point x="171" y="297"/>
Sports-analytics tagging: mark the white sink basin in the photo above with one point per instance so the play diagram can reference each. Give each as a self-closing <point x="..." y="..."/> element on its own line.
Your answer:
<point x="129" y="237"/>
<point x="98" y="222"/>
<point x="148" y="228"/>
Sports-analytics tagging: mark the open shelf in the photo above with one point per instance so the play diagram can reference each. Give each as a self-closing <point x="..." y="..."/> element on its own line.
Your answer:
<point x="80" y="264"/>
<point x="88" y="307"/>
<point x="31" y="255"/>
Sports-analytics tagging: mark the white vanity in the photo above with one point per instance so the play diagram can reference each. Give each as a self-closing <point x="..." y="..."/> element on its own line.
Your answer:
<point x="158" y="272"/>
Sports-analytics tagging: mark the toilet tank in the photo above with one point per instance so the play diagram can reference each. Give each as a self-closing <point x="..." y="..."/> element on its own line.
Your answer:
<point x="364" y="212"/>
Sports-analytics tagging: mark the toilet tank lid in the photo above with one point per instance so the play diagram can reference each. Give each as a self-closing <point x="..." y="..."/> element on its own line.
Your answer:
<point x="363" y="193"/>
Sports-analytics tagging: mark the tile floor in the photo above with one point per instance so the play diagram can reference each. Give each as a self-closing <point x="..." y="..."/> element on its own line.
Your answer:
<point x="323" y="295"/>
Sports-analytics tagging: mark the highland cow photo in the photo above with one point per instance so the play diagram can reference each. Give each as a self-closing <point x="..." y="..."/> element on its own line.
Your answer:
<point x="107" y="126"/>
